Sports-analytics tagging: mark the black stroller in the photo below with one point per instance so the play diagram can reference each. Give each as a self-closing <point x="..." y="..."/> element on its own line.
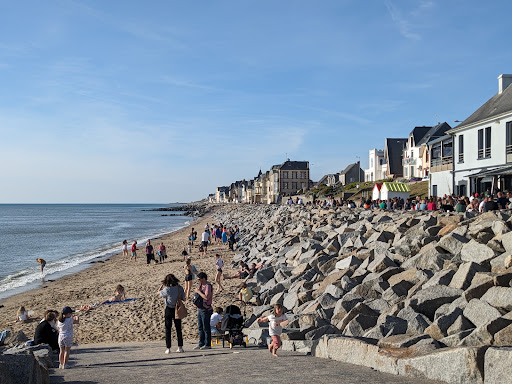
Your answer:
<point x="232" y="325"/>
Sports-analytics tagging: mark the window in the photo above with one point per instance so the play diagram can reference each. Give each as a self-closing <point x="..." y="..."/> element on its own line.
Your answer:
<point x="508" y="147"/>
<point x="285" y="174"/>
<point x="434" y="190"/>
<point x="484" y="143"/>
<point x="303" y="175"/>
<point x="371" y="162"/>
<point x="294" y="186"/>
<point x="285" y="185"/>
<point x="461" y="148"/>
<point x="447" y="148"/>
<point x="294" y="175"/>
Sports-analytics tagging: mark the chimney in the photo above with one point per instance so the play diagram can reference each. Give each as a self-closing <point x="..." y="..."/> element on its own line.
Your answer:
<point x="503" y="82"/>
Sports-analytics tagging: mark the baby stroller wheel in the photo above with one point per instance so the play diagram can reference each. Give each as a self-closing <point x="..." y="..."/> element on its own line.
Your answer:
<point x="244" y="344"/>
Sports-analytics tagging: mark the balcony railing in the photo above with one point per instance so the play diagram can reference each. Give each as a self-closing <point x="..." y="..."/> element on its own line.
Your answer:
<point x="447" y="160"/>
<point x="461" y="157"/>
<point x="484" y="153"/>
<point x="409" y="161"/>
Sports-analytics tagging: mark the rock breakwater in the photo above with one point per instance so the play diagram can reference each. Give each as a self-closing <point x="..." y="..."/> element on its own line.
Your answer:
<point x="413" y="293"/>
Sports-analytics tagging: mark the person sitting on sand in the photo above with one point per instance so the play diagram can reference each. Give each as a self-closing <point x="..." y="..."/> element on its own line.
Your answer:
<point x="46" y="331"/>
<point x="22" y="314"/>
<point x="42" y="262"/>
<point x="242" y="273"/>
<point x="119" y="295"/>
<point x="245" y="293"/>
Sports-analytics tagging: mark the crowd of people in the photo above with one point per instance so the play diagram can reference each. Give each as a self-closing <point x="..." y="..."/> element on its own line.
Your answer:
<point x="449" y="203"/>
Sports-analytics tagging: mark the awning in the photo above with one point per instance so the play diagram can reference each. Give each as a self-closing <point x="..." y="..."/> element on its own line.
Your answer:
<point x="501" y="171"/>
<point x="397" y="187"/>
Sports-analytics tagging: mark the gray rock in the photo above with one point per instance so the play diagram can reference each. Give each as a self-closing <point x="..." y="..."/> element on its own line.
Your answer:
<point x="443" y="277"/>
<point x="427" y="301"/>
<point x="380" y="263"/>
<point x="497" y="365"/>
<point x="452" y="243"/>
<point x="459" y="325"/>
<point x="503" y="337"/>
<point x="401" y="341"/>
<point x="480" y="312"/>
<point x="506" y="241"/>
<point x="429" y="258"/>
<point x="416" y="322"/>
<point x="478" y="289"/>
<point x="451" y="365"/>
<point x="477" y="253"/>
<point x="357" y="326"/>
<point x="319" y="332"/>
<point x="464" y="275"/>
<point x="348" y="262"/>
<point x="360" y="308"/>
<point x="456" y="338"/>
<point x="499" y="297"/>
<point x="392" y="325"/>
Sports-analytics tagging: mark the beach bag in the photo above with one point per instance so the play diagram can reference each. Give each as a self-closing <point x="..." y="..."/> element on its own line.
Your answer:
<point x="180" y="310"/>
<point x="197" y="300"/>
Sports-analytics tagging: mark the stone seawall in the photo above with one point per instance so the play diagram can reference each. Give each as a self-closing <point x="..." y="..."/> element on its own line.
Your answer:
<point x="424" y="294"/>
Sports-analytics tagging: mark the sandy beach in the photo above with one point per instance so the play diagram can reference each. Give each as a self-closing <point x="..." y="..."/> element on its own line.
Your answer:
<point x="139" y="320"/>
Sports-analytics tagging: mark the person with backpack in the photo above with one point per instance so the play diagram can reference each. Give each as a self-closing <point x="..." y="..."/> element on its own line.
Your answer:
<point x="203" y="301"/>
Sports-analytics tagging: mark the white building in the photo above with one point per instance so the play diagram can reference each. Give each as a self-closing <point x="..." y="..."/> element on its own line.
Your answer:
<point x="377" y="170"/>
<point x="483" y="145"/>
<point x="441" y="166"/>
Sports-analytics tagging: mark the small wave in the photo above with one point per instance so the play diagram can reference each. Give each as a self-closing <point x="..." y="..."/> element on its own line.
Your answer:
<point x="27" y="276"/>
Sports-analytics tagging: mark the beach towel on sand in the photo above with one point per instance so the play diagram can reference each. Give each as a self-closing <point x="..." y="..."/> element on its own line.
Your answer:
<point x="123" y="301"/>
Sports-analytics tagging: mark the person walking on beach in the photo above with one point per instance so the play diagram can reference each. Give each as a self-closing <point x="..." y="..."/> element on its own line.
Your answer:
<point x="189" y="276"/>
<point x="204" y="311"/>
<point x="205" y="237"/>
<point x="149" y="253"/>
<point x="192" y="236"/>
<point x="43" y="263"/>
<point x="218" y="234"/>
<point x="134" y="251"/>
<point x="219" y="263"/>
<point x="161" y="252"/>
<point x="125" y="248"/>
<point x="172" y="292"/>
<point x="65" y="325"/>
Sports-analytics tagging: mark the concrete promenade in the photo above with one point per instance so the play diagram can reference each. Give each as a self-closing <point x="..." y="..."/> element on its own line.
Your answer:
<point x="146" y="363"/>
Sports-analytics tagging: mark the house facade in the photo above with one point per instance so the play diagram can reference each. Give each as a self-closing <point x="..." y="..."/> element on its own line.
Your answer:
<point x="393" y="152"/>
<point x="415" y="159"/>
<point x="483" y="145"/>
<point x="351" y="174"/>
<point x="441" y="166"/>
<point x="377" y="169"/>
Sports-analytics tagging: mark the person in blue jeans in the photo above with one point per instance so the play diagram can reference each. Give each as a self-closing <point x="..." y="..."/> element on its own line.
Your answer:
<point x="204" y="313"/>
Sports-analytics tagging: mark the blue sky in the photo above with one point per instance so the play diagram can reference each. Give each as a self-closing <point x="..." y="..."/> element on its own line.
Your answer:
<point x="162" y="101"/>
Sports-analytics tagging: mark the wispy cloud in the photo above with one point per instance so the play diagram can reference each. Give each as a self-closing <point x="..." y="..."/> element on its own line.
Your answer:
<point x="407" y="21"/>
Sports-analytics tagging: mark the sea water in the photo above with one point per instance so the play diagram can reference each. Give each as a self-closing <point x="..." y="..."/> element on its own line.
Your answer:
<point x="70" y="237"/>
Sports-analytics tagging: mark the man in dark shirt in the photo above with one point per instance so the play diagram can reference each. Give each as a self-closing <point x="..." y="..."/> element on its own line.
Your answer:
<point x="502" y="201"/>
<point x="490" y="204"/>
<point x="45" y="333"/>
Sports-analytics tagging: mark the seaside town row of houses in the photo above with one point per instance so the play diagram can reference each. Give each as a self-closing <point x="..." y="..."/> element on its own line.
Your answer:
<point x="474" y="156"/>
